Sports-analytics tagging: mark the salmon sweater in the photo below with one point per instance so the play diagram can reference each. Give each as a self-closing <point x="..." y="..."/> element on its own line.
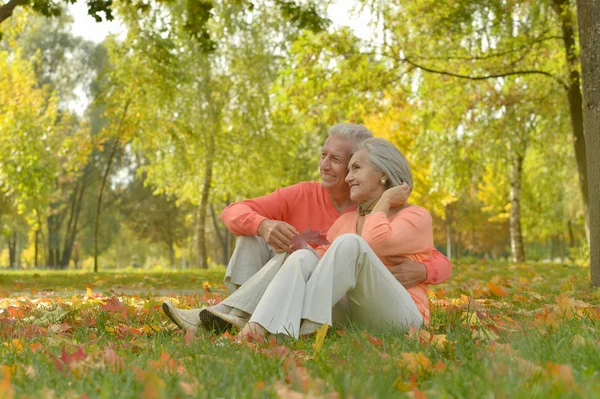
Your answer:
<point x="307" y="205"/>
<point x="408" y="233"/>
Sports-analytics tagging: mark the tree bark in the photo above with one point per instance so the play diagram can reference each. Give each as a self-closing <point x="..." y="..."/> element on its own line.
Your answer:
<point x="99" y="204"/>
<point x="35" y="256"/>
<point x="12" y="250"/>
<point x="71" y="233"/>
<point x="588" y="12"/>
<point x="222" y="235"/>
<point x="575" y="103"/>
<point x="7" y="9"/>
<point x="112" y="155"/>
<point x="208" y="169"/>
<point x="516" y="235"/>
<point x="448" y="234"/>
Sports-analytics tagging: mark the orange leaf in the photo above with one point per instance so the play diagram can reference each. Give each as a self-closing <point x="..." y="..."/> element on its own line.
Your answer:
<point x="372" y="339"/>
<point x="496" y="290"/>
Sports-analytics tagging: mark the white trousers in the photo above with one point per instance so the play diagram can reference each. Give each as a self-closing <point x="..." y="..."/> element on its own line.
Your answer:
<point x="349" y="278"/>
<point x="251" y="269"/>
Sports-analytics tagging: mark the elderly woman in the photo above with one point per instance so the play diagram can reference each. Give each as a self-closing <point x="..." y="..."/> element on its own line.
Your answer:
<point x="350" y="277"/>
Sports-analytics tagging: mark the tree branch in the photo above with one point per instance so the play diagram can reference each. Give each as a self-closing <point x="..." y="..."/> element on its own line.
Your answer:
<point x="526" y="46"/>
<point x="485" y="77"/>
<point x="7" y="9"/>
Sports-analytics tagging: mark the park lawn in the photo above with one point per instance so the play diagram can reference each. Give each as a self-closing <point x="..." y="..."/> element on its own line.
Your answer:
<point x="497" y="331"/>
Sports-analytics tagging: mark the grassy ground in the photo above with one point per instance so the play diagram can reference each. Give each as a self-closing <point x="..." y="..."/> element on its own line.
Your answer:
<point x="498" y="331"/>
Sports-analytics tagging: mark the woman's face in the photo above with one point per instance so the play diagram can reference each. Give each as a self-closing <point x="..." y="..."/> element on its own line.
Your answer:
<point x="364" y="180"/>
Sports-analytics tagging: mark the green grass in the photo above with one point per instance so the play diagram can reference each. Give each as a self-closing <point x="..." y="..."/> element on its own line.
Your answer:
<point x="532" y="332"/>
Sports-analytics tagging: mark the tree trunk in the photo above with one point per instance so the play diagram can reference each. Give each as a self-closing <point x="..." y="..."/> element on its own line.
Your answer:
<point x="183" y="251"/>
<point x="171" y="254"/>
<point x="112" y="155"/>
<point x="448" y="234"/>
<point x="588" y="12"/>
<point x="99" y="204"/>
<point x="562" y="8"/>
<point x="516" y="236"/>
<point x="71" y="233"/>
<point x="208" y="168"/>
<point x="35" y="255"/>
<point x="12" y="250"/>
<point x="222" y="235"/>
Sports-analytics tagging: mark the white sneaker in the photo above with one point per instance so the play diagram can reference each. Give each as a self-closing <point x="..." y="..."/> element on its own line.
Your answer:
<point x="187" y="320"/>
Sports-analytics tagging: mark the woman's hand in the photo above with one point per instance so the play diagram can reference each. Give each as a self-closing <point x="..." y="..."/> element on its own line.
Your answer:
<point x="396" y="196"/>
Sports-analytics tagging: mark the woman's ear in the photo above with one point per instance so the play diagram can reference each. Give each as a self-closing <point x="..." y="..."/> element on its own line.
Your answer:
<point x="383" y="180"/>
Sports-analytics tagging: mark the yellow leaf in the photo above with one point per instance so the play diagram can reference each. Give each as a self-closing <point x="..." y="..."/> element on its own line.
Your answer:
<point x="89" y="293"/>
<point x="439" y="340"/>
<point x="401" y="385"/>
<point x="415" y="362"/>
<point x="578" y="340"/>
<point x="320" y="339"/>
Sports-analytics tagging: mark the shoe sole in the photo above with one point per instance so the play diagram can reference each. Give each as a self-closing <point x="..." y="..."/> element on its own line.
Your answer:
<point x="212" y="322"/>
<point x="167" y="311"/>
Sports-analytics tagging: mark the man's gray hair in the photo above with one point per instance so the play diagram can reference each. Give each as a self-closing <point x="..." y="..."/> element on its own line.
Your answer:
<point x="352" y="132"/>
<point x="389" y="160"/>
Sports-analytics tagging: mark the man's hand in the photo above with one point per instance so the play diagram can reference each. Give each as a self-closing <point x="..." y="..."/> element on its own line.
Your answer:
<point x="408" y="272"/>
<point x="277" y="234"/>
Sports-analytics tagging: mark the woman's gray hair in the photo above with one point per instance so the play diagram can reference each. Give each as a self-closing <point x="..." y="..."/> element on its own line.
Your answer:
<point x="389" y="160"/>
<point x="349" y="131"/>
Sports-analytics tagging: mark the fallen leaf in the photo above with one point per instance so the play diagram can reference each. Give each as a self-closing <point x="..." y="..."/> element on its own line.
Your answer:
<point x="372" y="339"/>
<point x="320" y="338"/>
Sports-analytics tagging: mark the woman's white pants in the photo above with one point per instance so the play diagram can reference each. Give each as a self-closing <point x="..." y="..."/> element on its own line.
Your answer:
<point x="349" y="280"/>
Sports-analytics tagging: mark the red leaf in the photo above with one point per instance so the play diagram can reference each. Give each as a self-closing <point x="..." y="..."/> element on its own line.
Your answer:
<point x="317" y="237"/>
<point x="66" y="359"/>
<point x="112" y="305"/>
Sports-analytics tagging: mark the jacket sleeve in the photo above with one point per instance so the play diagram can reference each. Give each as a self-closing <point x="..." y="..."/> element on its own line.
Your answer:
<point x="243" y="218"/>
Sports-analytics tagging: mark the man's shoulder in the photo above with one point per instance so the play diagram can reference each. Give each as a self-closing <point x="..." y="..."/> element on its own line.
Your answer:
<point x="307" y="187"/>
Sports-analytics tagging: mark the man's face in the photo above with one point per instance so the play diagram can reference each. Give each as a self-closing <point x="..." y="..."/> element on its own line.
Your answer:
<point x="335" y="156"/>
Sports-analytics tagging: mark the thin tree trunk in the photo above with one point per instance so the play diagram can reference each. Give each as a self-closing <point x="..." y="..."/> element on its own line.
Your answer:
<point x="516" y="236"/>
<point x="448" y="234"/>
<point x="35" y="255"/>
<point x="71" y="233"/>
<point x="571" y="234"/>
<point x="12" y="249"/>
<point x="208" y="168"/>
<point x="221" y="235"/>
<point x="562" y="8"/>
<point x="588" y="12"/>
<point x="99" y="204"/>
<point x="112" y="155"/>
<point x="171" y="254"/>
<point x="183" y="250"/>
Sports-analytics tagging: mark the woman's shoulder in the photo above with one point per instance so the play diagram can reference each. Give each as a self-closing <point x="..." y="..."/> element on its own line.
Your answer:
<point x="415" y="211"/>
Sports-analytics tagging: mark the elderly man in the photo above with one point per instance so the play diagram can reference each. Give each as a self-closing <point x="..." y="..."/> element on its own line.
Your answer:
<point x="267" y="225"/>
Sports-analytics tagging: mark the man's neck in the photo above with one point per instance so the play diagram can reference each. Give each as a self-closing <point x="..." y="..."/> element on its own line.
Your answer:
<point x="341" y="201"/>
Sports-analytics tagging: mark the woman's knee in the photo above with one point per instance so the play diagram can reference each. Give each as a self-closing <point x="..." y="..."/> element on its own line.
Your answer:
<point x="349" y="240"/>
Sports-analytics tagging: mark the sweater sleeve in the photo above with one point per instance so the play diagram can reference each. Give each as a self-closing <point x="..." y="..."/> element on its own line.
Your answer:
<point x="243" y="218"/>
<point x="439" y="268"/>
<point x="409" y="232"/>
